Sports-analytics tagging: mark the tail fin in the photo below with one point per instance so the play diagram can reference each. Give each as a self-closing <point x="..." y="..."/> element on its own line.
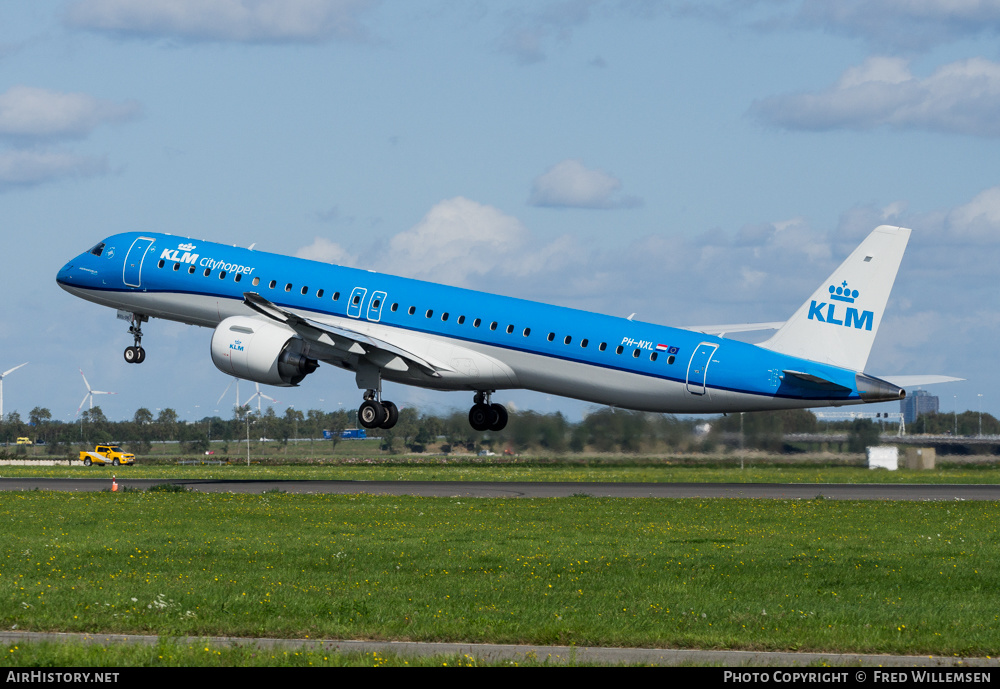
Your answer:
<point x="837" y="324"/>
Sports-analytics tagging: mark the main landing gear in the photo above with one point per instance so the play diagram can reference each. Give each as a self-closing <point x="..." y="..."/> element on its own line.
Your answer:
<point x="136" y="354"/>
<point x="485" y="416"/>
<point x="374" y="413"/>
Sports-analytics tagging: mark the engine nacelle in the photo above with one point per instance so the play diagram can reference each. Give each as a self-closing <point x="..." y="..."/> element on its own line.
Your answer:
<point x="261" y="351"/>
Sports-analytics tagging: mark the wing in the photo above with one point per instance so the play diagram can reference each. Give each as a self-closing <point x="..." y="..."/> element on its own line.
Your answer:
<point x="341" y="342"/>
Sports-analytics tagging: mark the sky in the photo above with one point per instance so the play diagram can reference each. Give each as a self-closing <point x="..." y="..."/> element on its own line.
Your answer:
<point x="692" y="162"/>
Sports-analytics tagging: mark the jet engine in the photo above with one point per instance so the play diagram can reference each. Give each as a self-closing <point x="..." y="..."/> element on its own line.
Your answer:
<point x="261" y="351"/>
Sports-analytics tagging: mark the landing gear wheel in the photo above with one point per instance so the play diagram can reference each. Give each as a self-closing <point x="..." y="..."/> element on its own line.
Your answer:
<point x="136" y="354"/>
<point x="371" y="414"/>
<point x="391" y="415"/>
<point x="499" y="417"/>
<point x="480" y="417"/>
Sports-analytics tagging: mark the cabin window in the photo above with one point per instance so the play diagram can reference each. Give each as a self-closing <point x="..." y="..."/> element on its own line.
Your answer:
<point x="510" y="329"/>
<point x="222" y="275"/>
<point x="375" y="303"/>
<point x="160" y="264"/>
<point x="208" y="271"/>
<point x="288" y="287"/>
<point x="304" y="291"/>
<point x="430" y="312"/>
<point x="652" y="357"/>
<point x="177" y="266"/>
<point x="461" y="320"/>
<point x="475" y="323"/>
<point x="551" y="337"/>
<point x="527" y="331"/>
<point x="238" y="277"/>
<point x="670" y="359"/>
<point x="319" y="293"/>
<point x="356" y="300"/>
<point x="412" y="310"/>
<point x="336" y="296"/>
<point x="444" y="316"/>
<point x="272" y="284"/>
<point x="619" y="350"/>
<point x="493" y="325"/>
<point x="256" y="281"/>
<point x="394" y="307"/>
<point x="567" y="339"/>
<point x="636" y="353"/>
<point x="190" y="270"/>
<point x="583" y="342"/>
<point x="603" y="346"/>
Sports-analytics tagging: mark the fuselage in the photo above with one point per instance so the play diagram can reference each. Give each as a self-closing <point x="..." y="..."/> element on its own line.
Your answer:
<point x="484" y="341"/>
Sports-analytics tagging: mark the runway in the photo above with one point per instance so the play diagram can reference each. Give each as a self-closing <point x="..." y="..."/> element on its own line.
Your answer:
<point x="527" y="489"/>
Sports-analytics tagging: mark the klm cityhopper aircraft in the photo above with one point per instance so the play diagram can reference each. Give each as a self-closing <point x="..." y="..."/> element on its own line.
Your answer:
<point x="274" y="318"/>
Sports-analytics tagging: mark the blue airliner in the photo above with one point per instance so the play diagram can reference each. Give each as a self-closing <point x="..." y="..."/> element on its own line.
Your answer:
<point x="275" y="318"/>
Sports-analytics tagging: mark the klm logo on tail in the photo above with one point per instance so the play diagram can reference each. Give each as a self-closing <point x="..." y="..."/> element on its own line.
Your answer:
<point x="851" y="318"/>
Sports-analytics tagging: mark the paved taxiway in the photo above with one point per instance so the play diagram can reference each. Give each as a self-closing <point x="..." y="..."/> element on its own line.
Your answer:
<point x="555" y="655"/>
<point x="526" y="489"/>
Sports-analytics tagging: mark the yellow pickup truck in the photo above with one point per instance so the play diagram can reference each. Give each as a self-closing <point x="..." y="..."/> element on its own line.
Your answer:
<point x="107" y="454"/>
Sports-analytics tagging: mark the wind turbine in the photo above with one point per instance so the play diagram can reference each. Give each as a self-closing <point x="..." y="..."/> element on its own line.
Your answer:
<point x="260" y="395"/>
<point x="226" y="391"/>
<point x="90" y="393"/>
<point x="2" y="376"/>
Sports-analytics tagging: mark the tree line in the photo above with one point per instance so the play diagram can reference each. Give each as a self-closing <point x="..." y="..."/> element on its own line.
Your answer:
<point x="602" y="431"/>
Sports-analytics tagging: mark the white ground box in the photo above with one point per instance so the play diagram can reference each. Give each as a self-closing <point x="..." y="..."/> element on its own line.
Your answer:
<point x="883" y="457"/>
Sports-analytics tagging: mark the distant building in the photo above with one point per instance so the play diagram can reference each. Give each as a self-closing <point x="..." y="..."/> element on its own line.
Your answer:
<point x="916" y="403"/>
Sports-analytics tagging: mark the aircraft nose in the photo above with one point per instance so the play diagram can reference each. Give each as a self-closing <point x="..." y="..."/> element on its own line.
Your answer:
<point x="65" y="273"/>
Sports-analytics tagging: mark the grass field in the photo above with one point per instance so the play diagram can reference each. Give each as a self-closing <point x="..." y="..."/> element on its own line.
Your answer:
<point x="432" y="469"/>
<point x="744" y="574"/>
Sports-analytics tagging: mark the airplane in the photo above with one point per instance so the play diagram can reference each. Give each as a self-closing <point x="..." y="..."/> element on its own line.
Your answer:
<point x="276" y="318"/>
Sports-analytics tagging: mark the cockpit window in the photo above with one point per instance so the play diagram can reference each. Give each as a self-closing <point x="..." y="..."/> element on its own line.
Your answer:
<point x="97" y="250"/>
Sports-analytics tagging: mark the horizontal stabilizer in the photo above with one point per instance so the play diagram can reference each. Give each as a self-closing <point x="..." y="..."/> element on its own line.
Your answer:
<point x="911" y="381"/>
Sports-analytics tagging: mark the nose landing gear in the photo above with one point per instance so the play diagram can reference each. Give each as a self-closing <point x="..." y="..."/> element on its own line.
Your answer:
<point x="136" y="354"/>
<point x="485" y="416"/>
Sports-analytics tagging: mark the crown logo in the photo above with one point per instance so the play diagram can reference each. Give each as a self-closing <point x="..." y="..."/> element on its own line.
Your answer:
<point x="842" y="293"/>
<point x="185" y="247"/>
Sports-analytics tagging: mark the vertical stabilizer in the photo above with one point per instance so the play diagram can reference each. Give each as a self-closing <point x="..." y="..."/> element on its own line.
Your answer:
<point x="838" y="323"/>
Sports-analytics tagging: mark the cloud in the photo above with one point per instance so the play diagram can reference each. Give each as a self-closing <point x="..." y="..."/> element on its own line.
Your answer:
<point x="249" y="21"/>
<point x="324" y="250"/>
<point x="22" y="168"/>
<point x="960" y="97"/>
<point x="903" y="24"/>
<point x="526" y="33"/>
<point x="28" y="112"/>
<point x="570" y="184"/>
<point x="978" y="220"/>
<point x="456" y="240"/>
<point x="889" y="26"/>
